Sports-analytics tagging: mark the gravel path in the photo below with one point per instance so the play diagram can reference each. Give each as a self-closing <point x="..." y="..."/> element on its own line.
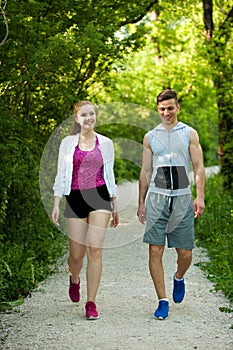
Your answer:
<point x="126" y="302"/>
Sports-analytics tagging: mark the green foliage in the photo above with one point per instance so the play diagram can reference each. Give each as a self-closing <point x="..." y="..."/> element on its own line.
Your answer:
<point x="29" y="244"/>
<point x="177" y="55"/>
<point x="53" y="54"/>
<point x="56" y="52"/>
<point x="214" y="232"/>
<point x="60" y="52"/>
<point x="172" y="57"/>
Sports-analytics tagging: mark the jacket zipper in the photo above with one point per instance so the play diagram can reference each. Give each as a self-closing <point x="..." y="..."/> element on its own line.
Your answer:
<point x="169" y="142"/>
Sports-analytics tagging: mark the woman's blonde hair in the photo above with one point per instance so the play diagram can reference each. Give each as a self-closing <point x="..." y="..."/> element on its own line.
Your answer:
<point x="76" y="128"/>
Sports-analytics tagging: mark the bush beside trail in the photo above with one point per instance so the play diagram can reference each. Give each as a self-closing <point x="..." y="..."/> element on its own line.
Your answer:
<point x="214" y="233"/>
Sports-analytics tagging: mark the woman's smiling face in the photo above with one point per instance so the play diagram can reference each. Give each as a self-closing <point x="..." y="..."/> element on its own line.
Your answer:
<point x="86" y="117"/>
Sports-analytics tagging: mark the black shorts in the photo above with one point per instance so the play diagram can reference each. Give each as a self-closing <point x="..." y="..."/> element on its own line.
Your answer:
<point x="79" y="203"/>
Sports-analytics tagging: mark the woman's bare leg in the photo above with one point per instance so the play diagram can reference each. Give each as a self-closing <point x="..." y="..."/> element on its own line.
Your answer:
<point x="77" y="231"/>
<point x="97" y="225"/>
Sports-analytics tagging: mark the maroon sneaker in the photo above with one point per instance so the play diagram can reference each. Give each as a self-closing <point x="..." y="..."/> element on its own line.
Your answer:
<point x="91" y="312"/>
<point x="74" y="291"/>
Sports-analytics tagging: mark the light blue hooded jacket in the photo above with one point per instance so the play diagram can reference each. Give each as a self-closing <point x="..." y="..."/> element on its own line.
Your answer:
<point x="171" y="160"/>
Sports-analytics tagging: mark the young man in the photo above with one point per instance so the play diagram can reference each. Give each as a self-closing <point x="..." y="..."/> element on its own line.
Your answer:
<point x="169" y="210"/>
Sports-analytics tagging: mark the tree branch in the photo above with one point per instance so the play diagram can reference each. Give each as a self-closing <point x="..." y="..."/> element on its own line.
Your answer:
<point x="220" y="8"/>
<point x="224" y="29"/>
<point x="137" y="19"/>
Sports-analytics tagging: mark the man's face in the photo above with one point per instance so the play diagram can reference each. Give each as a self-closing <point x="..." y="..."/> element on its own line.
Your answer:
<point x="168" y="110"/>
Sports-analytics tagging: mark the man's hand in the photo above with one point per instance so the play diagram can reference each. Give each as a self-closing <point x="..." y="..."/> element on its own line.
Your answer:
<point x="141" y="213"/>
<point x="199" y="207"/>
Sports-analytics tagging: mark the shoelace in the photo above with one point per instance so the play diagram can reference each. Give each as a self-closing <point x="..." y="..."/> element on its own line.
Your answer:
<point x="179" y="286"/>
<point x="92" y="307"/>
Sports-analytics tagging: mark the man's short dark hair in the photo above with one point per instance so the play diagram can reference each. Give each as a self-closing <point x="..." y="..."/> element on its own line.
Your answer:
<point x="167" y="95"/>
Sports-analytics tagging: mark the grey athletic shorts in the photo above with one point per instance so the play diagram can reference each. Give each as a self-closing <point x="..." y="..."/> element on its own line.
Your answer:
<point x="171" y="218"/>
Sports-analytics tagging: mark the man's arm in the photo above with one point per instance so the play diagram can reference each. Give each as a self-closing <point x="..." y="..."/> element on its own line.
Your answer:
<point x="144" y="179"/>
<point x="199" y="172"/>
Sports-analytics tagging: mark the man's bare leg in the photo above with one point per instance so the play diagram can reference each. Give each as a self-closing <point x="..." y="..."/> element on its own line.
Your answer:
<point x="156" y="269"/>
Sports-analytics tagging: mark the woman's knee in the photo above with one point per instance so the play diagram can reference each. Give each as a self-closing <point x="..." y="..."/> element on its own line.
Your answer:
<point x="76" y="257"/>
<point x="94" y="252"/>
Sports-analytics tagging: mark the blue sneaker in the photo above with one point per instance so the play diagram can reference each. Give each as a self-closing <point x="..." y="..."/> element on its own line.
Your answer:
<point x="162" y="312"/>
<point x="178" y="290"/>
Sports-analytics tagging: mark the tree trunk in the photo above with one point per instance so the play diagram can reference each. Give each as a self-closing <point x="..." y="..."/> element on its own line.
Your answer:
<point x="223" y="86"/>
<point x="222" y="78"/>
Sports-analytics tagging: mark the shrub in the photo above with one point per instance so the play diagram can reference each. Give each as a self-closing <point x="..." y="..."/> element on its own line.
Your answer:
<point x="214" y="232"/>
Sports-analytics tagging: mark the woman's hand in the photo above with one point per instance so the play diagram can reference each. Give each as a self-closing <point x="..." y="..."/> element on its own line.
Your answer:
<point x="115" y="216"/>
<point x="115" y="219"/>
<point x="56" y="211"/>
<point x="55" y="216"/>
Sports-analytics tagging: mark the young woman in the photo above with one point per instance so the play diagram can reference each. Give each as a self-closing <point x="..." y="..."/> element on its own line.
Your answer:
<point x="85" y="176"/>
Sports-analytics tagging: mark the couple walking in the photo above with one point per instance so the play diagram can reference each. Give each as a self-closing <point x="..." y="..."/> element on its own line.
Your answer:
<point x="85" y="176"/>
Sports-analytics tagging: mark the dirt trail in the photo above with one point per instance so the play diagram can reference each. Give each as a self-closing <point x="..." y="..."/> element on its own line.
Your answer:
<point x="126" y="302"/>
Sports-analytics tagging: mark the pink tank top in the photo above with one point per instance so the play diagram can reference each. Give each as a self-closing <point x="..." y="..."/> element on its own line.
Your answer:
<point x="87" y="168"/>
